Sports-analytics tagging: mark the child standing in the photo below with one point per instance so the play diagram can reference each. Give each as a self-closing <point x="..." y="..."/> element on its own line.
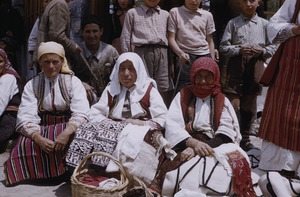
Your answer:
<point x="245" y="44"/>
<point x="190" y="37"/>
<point x="145" y="32"/>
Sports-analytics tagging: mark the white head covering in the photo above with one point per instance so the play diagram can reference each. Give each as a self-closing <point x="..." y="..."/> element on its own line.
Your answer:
<point x="142" y="82"/>
<point x="54" y="47"/>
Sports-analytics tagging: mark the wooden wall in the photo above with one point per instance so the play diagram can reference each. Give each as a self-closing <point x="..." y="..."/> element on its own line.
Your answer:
<point x="33" y="8"/>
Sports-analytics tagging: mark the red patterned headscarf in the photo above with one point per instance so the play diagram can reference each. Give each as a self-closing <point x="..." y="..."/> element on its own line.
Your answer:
<point x="205" y="63"/>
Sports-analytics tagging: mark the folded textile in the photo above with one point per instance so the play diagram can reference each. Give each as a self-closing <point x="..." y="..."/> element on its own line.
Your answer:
<point x="109" y="183"/>
<point x="92" y="179"/>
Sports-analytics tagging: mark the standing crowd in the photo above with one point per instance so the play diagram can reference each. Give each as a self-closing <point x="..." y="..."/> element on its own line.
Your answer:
<point x="171" y="95"/>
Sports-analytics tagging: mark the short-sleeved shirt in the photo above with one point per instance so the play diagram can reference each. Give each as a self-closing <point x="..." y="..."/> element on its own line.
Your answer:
<point x="191" y="28"/>
<point x="144" y="26"/>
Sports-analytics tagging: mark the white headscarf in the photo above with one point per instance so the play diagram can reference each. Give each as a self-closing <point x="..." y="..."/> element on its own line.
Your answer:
<point x="56" y="48"/>
<point x="142" y="82"/>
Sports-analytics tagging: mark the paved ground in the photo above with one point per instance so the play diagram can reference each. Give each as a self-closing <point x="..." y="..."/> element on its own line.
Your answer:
<point x="62" y="188"/>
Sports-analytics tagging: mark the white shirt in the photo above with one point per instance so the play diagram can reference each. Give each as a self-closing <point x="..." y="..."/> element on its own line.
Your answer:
<point x="175" y="125"/>
<point x="28" y="119"/>
<point x="32" y="39"/>
<point x="8" y="88"/>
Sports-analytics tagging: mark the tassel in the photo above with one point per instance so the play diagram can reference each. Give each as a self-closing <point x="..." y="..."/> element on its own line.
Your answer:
<point x="242" y="181"/>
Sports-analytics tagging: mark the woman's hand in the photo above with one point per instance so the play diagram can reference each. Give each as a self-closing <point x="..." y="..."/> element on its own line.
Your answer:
<point x="63" y="138"/>
<point x="200" y="148"/>
<point x="187" y="154"/>
<point x="134" y="121"/>
<point x="45" y="144"/>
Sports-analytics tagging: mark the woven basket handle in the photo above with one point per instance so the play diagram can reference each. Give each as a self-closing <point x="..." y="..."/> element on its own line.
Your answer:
<point x="79" y="167"/>
<point x="148" y="192"/>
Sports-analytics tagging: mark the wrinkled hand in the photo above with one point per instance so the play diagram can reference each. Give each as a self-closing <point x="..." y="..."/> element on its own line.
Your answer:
<point x="296" y="30"/>
<point x="246" y="51"/>
<point x="89" y="91"/>
<point x="62" y="139"/>
<point x="45" y="144"/>
<point x="183" y="58"/>
<point x="187" y="154"/>
<point x="200" y="148"/>
<point x="134" y="121"/>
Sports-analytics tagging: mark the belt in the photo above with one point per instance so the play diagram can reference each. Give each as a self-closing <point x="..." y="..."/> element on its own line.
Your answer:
<point x="152" y="46"/>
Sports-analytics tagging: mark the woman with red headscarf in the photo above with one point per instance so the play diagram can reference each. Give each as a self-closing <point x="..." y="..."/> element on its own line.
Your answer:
<point x="10" y="96"/>
<point x="202" y="127"/>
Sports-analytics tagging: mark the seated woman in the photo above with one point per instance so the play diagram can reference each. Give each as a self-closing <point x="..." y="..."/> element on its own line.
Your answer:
<point x="10" y="97"/>
<point x="202" y="127"/>
<point x="53" y="105"/>
<point x="129" y="107"/>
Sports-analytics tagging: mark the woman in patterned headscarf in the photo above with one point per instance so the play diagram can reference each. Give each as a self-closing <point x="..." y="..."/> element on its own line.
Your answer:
<point x="202" y="127"/>
<point x="53" y="105"/>
<point x="10" y="89"/>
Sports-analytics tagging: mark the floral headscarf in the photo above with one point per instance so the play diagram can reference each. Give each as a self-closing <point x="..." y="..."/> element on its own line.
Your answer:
<point x="205" y="63"/>
<point x="142" y="82"/>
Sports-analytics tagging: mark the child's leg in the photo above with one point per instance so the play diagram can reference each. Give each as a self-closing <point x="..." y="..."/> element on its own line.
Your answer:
<point x="247" y="115"/>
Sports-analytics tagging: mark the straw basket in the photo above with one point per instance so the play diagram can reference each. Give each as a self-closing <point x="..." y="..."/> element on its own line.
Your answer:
<point x="81" y="190"/>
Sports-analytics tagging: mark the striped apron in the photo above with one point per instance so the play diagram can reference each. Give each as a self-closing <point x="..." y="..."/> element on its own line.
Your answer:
<point x="280" y="123"/>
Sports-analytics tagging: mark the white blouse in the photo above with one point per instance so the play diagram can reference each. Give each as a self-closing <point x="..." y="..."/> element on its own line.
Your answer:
<point x="175" y="125"/>
<point x="8" y="88"/>
<point x="28" y="119"/>
<point x="157" y="108"/>
<point x="280" y="26"/>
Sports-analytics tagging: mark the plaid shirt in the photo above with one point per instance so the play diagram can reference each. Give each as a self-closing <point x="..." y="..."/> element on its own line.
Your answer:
<point x="144" y="25"/>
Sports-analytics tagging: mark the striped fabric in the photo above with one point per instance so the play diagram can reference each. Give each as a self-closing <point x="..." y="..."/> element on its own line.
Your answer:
<point x="29" y="161"/>
<point x="126" y="111"/>
<point x="280" y="123"/>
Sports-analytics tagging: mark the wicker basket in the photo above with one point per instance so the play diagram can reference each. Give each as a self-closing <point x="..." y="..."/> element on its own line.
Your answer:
<point x="80" y="189"/>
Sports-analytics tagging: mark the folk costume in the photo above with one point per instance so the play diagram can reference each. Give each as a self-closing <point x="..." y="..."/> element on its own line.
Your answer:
<point x="47" y="107"/>
<point x="280" y="123"/>
<point x="108" y="130"/>
<point x="203" y="113"/>
<point x="10" y="97"/>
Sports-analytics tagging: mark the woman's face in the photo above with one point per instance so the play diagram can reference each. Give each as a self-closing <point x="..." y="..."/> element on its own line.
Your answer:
<point x="2" y="65"/>
<point x="127" y="74"/>
<point x="51" y="64"/>
<point x="124" y="4"/>
<point x="204" y="78"/>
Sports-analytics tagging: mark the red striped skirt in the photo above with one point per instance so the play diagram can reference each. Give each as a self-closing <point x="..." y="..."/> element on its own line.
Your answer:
<point x="28" y="161"/>
<point x="280" y="123"/>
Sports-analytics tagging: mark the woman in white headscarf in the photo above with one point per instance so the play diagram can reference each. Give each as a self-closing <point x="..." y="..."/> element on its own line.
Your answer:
<point x="130" y="106"/>
<point x="53" y="105"/>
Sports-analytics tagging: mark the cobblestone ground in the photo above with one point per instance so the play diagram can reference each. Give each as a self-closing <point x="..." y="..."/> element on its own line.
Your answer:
<point x="62" y="188"/>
